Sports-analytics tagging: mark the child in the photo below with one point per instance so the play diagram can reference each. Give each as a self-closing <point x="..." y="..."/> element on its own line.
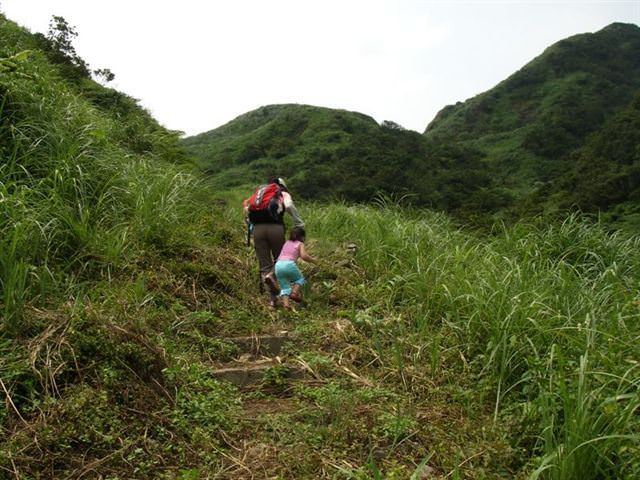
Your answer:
<point x="287" y="272"/>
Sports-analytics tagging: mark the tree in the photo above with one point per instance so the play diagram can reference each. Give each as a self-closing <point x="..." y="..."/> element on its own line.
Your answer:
<point x="105" y="74"/>
<point x="391" y="125"/>
<point x="58" y="45"/>
<point x="60" y="37"/>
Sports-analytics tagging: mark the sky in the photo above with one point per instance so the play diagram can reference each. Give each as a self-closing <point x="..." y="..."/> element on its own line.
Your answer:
<point x="196" y="65"/>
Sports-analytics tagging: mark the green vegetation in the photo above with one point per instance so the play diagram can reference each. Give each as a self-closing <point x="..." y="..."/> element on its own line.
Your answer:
<point x="74" y="195"/>
<point x="504" y="154"/>
<point x="605" y="173"/>
<point x="89" y="199"/>
<point x="432" y="350"/>
<point x="530" y="126"/>
<point x="338" y="154"/>
<point x="536" y="322"/>
<point x="508" y="356"/>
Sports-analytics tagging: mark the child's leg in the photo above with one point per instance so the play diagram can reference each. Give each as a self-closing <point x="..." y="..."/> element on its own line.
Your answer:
<point x="283" y="274"/>
<point x="297" y="280"/>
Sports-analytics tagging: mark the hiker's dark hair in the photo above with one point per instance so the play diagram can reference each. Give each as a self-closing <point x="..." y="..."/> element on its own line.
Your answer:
<point x="297" y="234"/>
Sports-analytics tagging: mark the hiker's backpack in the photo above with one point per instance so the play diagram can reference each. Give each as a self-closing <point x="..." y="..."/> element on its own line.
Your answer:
<point x="265" y="204"/>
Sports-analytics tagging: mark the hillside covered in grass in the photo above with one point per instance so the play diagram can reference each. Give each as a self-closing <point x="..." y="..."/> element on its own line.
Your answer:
<point x="85" y="172"/>
<point x="331" y="154"/>
<point x="511" y="151"/>
<point x="91" y="194"/>
<point x="430" y="351"/>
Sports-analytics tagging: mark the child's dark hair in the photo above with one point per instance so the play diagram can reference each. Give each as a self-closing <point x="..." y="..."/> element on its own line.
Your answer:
<point x="297" y="234"/>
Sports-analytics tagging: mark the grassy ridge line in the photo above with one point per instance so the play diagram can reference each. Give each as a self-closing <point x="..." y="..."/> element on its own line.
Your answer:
<point x="546" y="317"/>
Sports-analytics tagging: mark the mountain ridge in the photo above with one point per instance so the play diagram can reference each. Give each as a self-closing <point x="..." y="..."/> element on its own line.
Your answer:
<point x="615" y="28"/>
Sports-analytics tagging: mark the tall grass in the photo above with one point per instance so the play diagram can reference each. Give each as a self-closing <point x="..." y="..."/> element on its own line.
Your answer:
<point x="72" y="197"/>
<point x="546" y="315"/>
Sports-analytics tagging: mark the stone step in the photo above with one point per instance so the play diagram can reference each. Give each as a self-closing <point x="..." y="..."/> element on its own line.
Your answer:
<point x="257" y="372"/>
<point x="265" y="345"/>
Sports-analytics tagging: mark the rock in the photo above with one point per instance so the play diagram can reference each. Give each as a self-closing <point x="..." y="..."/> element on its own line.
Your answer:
<point x="245" y="358"/>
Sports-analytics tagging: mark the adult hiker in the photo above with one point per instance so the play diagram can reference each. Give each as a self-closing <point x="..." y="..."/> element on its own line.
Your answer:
<point x="265" y="210"/>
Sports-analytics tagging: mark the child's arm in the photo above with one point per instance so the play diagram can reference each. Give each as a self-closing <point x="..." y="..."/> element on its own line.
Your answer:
<point x="305" y="256"/>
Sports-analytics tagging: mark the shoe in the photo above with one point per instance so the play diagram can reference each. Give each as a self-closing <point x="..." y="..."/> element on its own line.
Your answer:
<point x="271" y="284"/>
<point x="296" y="297"/>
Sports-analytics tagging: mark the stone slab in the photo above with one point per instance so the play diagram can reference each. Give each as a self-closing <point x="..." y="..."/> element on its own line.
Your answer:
<point x="265" y="345"/>
<point x="253" y="373"/>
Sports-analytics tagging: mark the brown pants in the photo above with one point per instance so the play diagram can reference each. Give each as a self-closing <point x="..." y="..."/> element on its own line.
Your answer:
<point x="268" y="239"/>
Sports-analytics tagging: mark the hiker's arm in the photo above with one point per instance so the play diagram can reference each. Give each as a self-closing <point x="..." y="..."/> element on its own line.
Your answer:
<point x="292" y="210"/>
<point x="305" y="256"/>
<point x="245" y="210"/>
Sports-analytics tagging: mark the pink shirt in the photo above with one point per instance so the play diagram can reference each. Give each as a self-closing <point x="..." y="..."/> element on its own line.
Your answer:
<point x="290" y="250"/>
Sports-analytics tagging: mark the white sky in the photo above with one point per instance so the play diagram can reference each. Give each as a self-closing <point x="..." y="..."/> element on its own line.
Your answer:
<point x="198" y="64"/>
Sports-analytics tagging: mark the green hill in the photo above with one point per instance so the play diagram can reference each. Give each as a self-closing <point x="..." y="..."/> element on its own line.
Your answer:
<point x="91" y="191"/>
<point x="286" y="134"/>
<point x="78" y="160"/>
<point x="529" y="124"/>
<point x="330" y="153"/>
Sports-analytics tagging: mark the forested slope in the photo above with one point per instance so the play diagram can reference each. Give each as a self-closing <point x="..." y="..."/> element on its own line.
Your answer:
<point x="330" y="153"/>
<point x="529" y="126"/>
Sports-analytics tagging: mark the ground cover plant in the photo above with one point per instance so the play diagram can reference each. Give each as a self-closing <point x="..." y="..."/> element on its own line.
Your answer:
<point x="510" y="355"/>
<point x="80" y="206"/>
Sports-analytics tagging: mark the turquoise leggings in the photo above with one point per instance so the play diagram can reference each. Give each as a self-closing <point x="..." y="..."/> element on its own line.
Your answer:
<point x="288" y="273"/>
